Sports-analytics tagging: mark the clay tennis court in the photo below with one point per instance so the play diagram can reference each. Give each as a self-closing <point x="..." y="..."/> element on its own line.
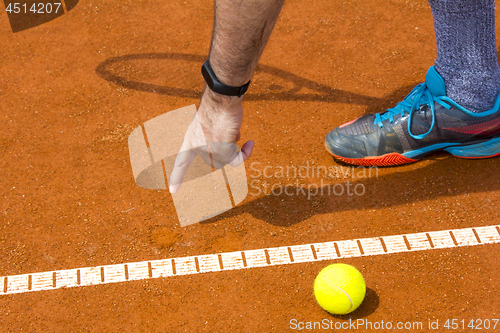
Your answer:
<point x="73" y="89"/>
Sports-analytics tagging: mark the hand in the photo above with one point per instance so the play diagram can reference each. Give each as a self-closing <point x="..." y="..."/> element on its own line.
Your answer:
<point x="212" y="134"/>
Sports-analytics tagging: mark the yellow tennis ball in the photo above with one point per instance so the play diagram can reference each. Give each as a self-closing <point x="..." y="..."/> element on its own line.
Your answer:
<point x="339" y="288"/>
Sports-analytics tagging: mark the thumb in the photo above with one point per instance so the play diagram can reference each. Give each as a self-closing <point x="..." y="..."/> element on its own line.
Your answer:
<point x="243" y="154"/>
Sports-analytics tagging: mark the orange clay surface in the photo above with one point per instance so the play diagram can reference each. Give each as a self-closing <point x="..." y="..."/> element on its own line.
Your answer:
<point x="72" y="90"/>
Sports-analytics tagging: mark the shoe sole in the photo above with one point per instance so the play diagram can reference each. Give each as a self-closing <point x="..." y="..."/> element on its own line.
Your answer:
<point x="485" y="149"/>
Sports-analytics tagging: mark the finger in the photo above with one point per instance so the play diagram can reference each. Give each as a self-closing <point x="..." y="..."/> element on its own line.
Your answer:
<point x="247" y="149"/>
<point x="181" y="165"/>
<point x="243" y="154"/>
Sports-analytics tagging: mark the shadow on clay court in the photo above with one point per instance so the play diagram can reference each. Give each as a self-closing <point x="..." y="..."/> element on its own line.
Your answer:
<point x="445" y="176"/>
<point x="272" y="84"/>
<point x="451" y="177"/>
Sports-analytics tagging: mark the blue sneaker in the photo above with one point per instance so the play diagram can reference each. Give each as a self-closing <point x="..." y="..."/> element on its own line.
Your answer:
<point x="426" y="121"/>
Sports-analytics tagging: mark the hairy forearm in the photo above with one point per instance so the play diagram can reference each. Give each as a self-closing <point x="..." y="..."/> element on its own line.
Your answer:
<point x="241" y="31"/>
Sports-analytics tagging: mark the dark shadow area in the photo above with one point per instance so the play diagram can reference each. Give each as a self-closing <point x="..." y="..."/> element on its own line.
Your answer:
<point x="447" y="177"/>
<point x="31" y="13"/>
<point x="70" y="4"/>
<point x="322" y="93"/>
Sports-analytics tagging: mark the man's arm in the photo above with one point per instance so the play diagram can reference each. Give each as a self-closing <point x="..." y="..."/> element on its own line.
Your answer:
<point x="241" y="31"/>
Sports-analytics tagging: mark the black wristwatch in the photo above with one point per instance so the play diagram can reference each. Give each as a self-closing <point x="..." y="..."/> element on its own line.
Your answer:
<point x="215" y="85"/>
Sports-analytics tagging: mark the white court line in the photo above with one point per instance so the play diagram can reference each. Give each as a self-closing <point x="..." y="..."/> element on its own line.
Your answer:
<point x="134" y="271"/>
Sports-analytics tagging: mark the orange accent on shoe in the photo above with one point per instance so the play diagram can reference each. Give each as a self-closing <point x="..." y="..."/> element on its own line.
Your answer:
<point x="391" y="159"/>
<point x="349" y="123"/>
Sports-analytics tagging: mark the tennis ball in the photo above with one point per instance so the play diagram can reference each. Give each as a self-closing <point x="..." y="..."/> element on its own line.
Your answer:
<point x="339" y="288"/>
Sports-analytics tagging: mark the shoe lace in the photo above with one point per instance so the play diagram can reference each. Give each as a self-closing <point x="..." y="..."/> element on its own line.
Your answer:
<point x="420" y="95"/>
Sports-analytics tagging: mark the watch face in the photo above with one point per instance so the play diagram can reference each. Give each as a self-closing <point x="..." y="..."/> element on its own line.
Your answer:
<point x="215" y="85"/>
<point x="207" y="76"/>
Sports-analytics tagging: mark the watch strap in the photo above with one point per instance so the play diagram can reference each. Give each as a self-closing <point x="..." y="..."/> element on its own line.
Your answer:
<point x="215" y="85"/>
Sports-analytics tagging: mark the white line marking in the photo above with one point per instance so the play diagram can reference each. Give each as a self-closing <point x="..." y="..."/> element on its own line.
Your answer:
<point x="465" y="237"/>
<point x="138" y="270"/>
<point x="325" y="251"/>
<point x="349" y="248"/>
<point x="209" y="263"/>
<point x="372" y="246"/>
<point x="302" y="253"/>
<point x="86" y="276"/>
<point x="66" y="278"/>
<point x="418" y="242"/>
<point x="488" y="235"/>
<point x="232" y="260"/>
<point x="395" y="244"/>
<point x="162" y="268"/>
<point x="89" y="276"/>
<point x="256" y="258"/>
<point x="42" y="281"/>
<point x="279" y="255"/>
<point x="185" y="266"/>
<point x="441" y="239"/>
